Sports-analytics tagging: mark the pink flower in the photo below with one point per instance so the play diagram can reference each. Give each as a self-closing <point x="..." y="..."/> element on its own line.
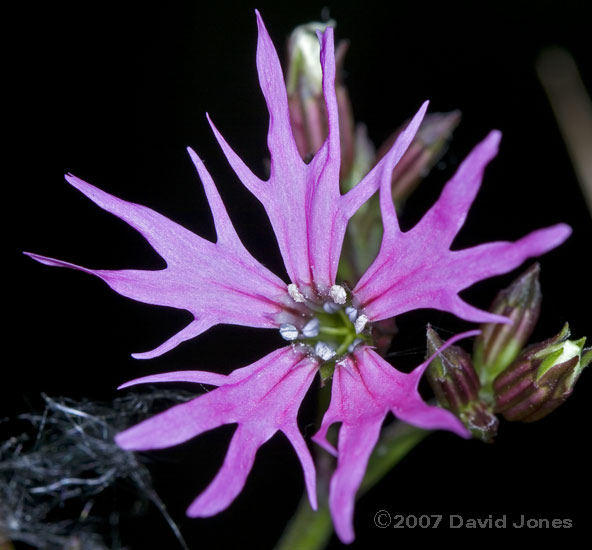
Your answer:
<point x="324" y="322"/>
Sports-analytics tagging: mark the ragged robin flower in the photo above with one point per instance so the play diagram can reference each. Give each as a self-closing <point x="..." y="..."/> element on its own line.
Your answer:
<point x="325" y="324"/>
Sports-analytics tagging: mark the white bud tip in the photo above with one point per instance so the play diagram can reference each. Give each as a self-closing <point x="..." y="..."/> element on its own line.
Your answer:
<point x="338" y="294"/>
<point x="288" y="332"/>
<point x="311" y="329"/>
<point x="324" y="351"/>
<point x="352" y="313"/>
<point x="360" y="323"/>
<point x="295" y="294"/>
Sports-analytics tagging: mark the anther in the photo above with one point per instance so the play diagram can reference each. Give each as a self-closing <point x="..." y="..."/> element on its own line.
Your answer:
<point x="352" y="314"/>
<point x="338" y="294"/>
<point x="360" y="323"/>
<point x="311" y="329"/>
<point x="295" y="293"/>
<point x="288" y="332"/>
<point x="324" y="351"/>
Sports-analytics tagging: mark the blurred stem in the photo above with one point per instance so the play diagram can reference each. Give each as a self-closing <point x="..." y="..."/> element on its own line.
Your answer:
<point x="307" y="530"/>
<point x="310" y="530"/>
<point x="396" y="441"/>
<point x="571" y="104"/>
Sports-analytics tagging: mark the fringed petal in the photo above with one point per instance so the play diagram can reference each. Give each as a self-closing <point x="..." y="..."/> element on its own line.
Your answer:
<point x="365" y="388"/>
<point x="417" y="269"/>
<point x="217" y="282"/>
<point x="262" y="398"/>
<point x="303" y="201"/>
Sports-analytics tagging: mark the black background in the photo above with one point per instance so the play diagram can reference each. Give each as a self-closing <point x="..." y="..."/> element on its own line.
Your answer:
<point x="114" y="94"/>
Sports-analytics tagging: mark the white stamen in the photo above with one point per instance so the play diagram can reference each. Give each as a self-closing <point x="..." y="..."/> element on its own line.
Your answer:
<point x="352" y="313"/>
<point x="331" y="307"/>
<point x="354" y="344"/>
<point x="288" y="332"/>
<point x="338" y="294"/>
<point x="324" y="351"/>
<point x="311" y="329"/>
<point x="295" y="294"/>
<point x="360" y="323"/>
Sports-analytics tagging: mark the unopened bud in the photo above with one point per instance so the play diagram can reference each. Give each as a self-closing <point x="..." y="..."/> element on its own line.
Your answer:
<point x="427" y="148"/>
<point x="541" y="378"/>
<point x="499" y="344"/>
<point x="364" y="232"/>
<point x="308" y="113"/>
<point x="304" y="66"/>
<point x="456" y="386"/>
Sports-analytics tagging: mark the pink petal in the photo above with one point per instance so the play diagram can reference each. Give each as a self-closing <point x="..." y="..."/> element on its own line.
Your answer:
<point x="262" y="398"/>
<point x="365" y="388"/>
<point x="355" y="447"/>
<point x="449" y="213"/>
<point x="192" y="376"/>
<point x="399" y="392"/>
<point x="217" y="282"/>
<point x="417" y="269"/>
<point x="294" y="436"/>
<point x="384" y="168"/>
<point x="308" y="214"/>
<point x="280" y="141"/>
<point x="500" y="257"/>
<point x="232" y="476"/>
<point x="361" y="418"/>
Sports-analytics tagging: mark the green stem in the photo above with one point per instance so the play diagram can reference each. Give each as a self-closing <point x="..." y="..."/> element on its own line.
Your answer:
<point x="344" y="317"/>
<point x="335" y="331"/>
<point x="346" y="343"/>
<point x="309" y="530"/>
<point x="395" y="442"/>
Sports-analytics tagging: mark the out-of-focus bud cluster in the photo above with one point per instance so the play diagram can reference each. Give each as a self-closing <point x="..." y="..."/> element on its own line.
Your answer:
<point x="427" y="148"/>
<point x="364" y="231"/>
<point x="358" y="155"/>
<point x="501" y="377"/>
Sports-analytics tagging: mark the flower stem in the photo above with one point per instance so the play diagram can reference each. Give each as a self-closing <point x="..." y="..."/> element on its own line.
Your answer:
<point x="310" y="530"/>
<point x="345" y="344"/>
<point x="334" y="331"/>
<point x="395" y="442"/>
<point x="307" y="530"/>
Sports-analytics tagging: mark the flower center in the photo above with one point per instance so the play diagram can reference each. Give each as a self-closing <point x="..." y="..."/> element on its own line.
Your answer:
<point x="330" y="326"/>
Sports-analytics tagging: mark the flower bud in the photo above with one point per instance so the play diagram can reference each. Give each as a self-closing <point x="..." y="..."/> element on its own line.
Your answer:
<point x="499" y="344"/>
<point x="426" y="149"/>
<point x="541" y="378"/>
<point x="304" y="84"/>
<point x="364" y="234"/>
<point x="456" y="386"/>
